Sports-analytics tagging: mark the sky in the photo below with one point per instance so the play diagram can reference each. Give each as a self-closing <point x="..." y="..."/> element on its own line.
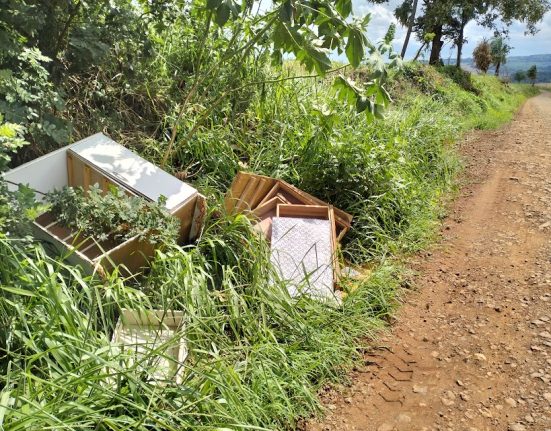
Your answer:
<point x="383" y="15"/>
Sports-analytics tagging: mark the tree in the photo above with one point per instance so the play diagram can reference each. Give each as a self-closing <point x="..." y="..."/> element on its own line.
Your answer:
<point x="532" y="74"/>
<point x="482" y="56"/>
<point x="406" y="15"/>
<point x="447" y="19"/>
<point x="519" y="76"/>
<point x="499" y="50"/>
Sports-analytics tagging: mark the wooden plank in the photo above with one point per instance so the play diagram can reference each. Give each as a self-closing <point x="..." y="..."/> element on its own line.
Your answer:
<point x="70" y="169"/>
<point x="185" y="214"/>
<point x="199" y="217"/>
<point x="78" y="173"/>
<point x="270" y="206"/>
<point x="235" y="191"/>
<point x="132" y="255"/>
<point x="86" y="177"/>
<point x="260" y="191"/>
<point x="303" y="211"/>
<point x="272" y="193"/>
<point x="335" y="245"/>
<point x="243" y="204"/>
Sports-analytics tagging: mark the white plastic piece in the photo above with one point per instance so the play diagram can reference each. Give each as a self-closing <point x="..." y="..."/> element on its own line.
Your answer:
<point x="146" y="335"/>
<point x="302" y="253"/>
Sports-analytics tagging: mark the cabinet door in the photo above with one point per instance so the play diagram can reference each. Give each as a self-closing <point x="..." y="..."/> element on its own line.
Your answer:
<point x="132" y="171"/>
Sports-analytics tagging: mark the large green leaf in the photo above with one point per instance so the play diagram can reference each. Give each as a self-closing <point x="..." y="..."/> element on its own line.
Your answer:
<point x="355" y="48"/>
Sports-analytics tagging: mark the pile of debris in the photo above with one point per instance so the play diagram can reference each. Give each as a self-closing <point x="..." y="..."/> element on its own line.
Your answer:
<point x="304" y="232"/>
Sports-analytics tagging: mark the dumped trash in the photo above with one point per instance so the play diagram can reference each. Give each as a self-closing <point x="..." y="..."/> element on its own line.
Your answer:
<point x="98" y="160"/>
<point x="304" y="232"/>
<point x="140" y="333"/>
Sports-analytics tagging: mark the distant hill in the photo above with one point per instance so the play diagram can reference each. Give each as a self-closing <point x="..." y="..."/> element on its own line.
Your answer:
<point x="515" y="63"/>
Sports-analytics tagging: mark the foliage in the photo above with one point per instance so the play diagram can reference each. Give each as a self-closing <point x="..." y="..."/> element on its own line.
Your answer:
<point x="113" y="215"/>
<point x="256" y="357"/>
<point x="482" y="56"/>
<point x="532" y="73"/>
<point x="499" y="50"/>
<point x="447" y="19"/>
<point x="16" y="207"/>
<point x="519" y="76"/>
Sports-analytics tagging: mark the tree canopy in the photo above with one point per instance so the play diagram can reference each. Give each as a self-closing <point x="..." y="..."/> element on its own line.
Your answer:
<point x="447" y="19"/>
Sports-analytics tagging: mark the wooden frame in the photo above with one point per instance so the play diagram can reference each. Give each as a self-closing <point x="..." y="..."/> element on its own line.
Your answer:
<point x="249" y="191"/>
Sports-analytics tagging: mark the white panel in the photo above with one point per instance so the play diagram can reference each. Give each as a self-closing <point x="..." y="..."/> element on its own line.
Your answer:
<point x="130" y="169"/>
<point x="302" y="252"/>
<point x="44" y="174"/>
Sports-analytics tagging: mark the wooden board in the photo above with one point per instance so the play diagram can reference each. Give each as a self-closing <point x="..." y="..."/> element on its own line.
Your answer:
<point x="265" y="213"/>
<point x="247" y="191"/>
<point x="303" y="211"/>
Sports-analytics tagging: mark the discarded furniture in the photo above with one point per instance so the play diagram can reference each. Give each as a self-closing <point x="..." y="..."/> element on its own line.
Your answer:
<point x="100" y="160"/>
<point x="303" y="230"/>
<point x="151" y="339"/>
<point x="251" y="191"/>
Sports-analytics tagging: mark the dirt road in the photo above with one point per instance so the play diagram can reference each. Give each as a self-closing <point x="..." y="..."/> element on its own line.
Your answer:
<point x="471" y="349"/>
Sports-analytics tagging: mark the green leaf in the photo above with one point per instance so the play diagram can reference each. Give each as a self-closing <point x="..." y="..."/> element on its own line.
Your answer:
<point x="17" y="291"/>
<point x="222" y="14"/>
<point x="286" y="11"/>
<point x="344" y="7"/>
<point x="355" y="48"/>
<point x="213" y="4"/>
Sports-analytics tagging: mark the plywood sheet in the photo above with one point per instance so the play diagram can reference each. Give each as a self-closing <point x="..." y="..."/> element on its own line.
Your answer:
<point x="302" y="253"/>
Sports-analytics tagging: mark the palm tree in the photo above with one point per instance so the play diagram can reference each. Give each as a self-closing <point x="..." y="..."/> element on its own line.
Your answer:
<point x="499" y="49"/>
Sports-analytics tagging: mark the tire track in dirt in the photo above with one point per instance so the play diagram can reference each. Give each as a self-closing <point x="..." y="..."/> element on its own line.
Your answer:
<point x="471" y="349"/>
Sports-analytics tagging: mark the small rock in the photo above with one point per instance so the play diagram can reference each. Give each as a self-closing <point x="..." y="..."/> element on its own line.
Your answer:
<point x="547" y="396"/>
<point x="517" y="427"/>
<point x="386" y="427"/>
<point x="480" y="357"/>
<point x="403" y="418"/>
<point x="420" y="389"/>
<point x="447" y="402"/>
<point x="510" y="402"/>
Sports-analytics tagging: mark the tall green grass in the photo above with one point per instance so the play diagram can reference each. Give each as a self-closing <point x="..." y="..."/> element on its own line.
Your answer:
<point x="257" y="358"/>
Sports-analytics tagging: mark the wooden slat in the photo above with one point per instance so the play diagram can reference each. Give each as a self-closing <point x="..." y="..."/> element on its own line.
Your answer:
<point x="303" y="211"/>
<point x="70" y="170"/>
<point x="243" y="204"/>
<point x="235" y="191"/>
